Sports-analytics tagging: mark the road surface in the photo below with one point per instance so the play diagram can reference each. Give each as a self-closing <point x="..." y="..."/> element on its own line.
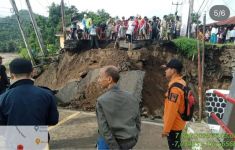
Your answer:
<point x="78" y="130"/>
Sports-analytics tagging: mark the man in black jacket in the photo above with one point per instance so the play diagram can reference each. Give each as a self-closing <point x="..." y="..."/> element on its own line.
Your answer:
<point x="3" y="77"/>
<point x="26" y="104"/>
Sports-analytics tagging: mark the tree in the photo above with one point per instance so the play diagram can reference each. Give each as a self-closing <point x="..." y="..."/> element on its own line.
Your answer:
<point x="97" y="17"/>
<point x="195" y="17"/>
<point x="170" y="17"/>
<point x="10" y="36"/>
<point x="11" y="47"/>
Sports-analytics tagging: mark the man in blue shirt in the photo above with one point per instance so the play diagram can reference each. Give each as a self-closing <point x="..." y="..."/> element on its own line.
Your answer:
<point x="26" y="104"/>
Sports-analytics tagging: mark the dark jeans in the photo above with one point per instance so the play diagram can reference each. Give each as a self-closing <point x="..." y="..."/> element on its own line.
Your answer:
<point x="73" y="36"/>
<point x="232" y="39"/>
<point x="127" y="144"/>
<point x="129" y="37"/>
<point x="94" y="41"/>
<point x="154" y="35"/>
<point x="174" y="140"/>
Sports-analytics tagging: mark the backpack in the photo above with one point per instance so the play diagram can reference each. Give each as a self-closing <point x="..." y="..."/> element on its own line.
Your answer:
<point x="189" y="101"/>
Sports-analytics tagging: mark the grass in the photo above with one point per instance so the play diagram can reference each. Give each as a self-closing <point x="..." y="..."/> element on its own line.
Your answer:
<point x="188" y="46"/>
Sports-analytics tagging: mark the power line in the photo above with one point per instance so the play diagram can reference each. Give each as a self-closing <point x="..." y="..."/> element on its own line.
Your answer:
<point x="209" y="6"/>
<point x="200" y="6"/>
<point x="228" y="6"/>
<point x="205" y="5"/>
<point x="171" y="6"/>
<point x="41" y="4"/>
<point x="229" y="1"/>
<point x="177" y="4"/>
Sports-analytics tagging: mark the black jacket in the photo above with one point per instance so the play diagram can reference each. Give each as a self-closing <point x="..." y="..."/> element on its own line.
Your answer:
<point x="25" y="104"/>
<point x="4" y="82"/>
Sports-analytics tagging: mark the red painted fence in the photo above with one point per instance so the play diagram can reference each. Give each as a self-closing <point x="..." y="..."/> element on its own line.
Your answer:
<point x="217" y="119"/>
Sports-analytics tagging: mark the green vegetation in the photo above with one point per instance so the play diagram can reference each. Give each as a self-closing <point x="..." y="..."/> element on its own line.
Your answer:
<point x="187" y="47"/>
<point x="195" y="17"/>
<point x="11" y="39"/>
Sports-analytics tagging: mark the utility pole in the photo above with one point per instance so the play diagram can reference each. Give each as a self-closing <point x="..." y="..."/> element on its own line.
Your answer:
<point x="36" y="29"/>
<point x="63" y="20"/>
<point x="203" y="46"/>
<point x="22" y="32"/>
<point x="177" y="4"/>
<point x="191" y="3"/>
<point x="200" y="86"/>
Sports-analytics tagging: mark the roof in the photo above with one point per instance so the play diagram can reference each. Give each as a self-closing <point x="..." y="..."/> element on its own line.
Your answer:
<point x="229" y="21"/>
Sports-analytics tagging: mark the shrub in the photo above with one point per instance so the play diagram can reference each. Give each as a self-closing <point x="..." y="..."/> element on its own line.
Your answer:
<point x="52" y="49"/>
<point x="24" y="53"/>
<point x="186" y="46"/>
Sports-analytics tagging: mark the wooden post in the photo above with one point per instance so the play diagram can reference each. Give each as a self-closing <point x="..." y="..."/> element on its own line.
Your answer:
<point x="199" y="75"/>
<point x="36" y="29"/>
<point x="22" y="32"/>
<point x="203" y="46"/>
<point x="63" y="20"/>
<point x="191" y="2"/>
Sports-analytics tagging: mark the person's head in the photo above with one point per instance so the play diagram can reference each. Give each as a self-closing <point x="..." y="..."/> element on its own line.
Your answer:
<point x="165" y="17"/>
<point x="20" y="69"/>
<point x="177" y="18"/>
<point x="173" y="67"/>
<point x="85" y="15"/>
<point x="123" y="18"/>
<point x="154" y="18"/>
<point x="109" y="75"/>
<point x="131" y="18"/>
<point x="1" y="60"/>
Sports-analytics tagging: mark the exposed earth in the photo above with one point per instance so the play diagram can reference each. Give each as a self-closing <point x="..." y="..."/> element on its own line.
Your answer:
<point x="75" y="74"/>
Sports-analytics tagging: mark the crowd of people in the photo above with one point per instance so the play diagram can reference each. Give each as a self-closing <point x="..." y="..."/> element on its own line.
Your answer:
<point x="215" y="34"/>
<point x="144" y="28"/>
<point x="132" y="28"/>
<point x="221" y="35"/>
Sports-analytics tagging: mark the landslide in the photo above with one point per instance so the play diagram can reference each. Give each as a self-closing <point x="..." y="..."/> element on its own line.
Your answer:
<point x="74" y="67"/>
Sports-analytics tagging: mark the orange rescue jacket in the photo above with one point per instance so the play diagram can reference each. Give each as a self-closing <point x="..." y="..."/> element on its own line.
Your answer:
<point x="174" y="104"/>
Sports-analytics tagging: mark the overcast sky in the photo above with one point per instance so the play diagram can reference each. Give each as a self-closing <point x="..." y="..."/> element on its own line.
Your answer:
<point x="119" y="7"/>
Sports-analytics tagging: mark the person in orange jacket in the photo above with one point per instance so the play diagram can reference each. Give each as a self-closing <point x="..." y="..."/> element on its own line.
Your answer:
<point x="174" y="105"/>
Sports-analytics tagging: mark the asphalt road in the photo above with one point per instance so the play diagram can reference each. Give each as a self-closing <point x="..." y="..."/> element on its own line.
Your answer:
<point x="78" y="130"/>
